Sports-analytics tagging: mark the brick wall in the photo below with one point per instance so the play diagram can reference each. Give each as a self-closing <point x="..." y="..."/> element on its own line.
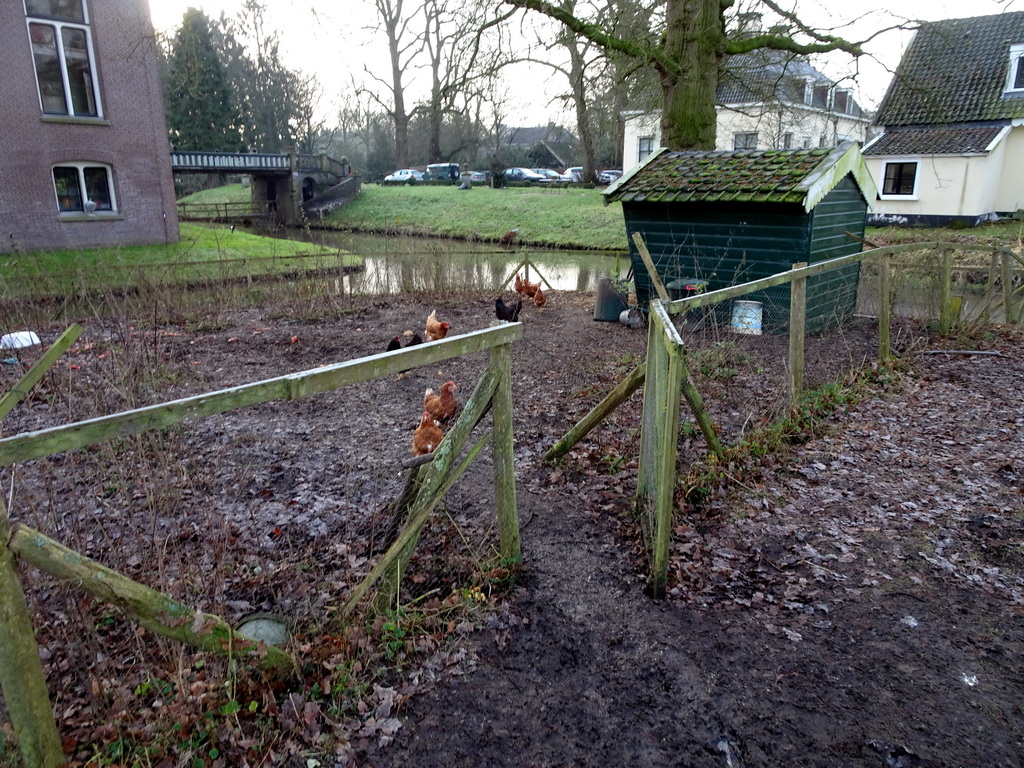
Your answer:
<point x="131" y="137"/>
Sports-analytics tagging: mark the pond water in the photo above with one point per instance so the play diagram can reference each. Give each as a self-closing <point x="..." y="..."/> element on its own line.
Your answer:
<point x="397" y="264"/>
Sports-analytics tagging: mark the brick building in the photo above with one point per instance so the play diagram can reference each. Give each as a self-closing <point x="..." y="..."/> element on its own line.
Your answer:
<point x="84" y="155"/>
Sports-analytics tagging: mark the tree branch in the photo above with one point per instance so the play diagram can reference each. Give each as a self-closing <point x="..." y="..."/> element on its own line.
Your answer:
<point x="601" y="36"/>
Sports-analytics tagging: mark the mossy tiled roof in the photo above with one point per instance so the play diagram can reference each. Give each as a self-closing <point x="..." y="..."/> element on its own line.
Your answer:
<point x="799" y="176"/>
<point x="954" y="71"/>
<point x="959" y="140"/>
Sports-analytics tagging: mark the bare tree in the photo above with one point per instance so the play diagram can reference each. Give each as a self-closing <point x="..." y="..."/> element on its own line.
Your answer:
<point x="403" y="45"/>
<point x="464" y="45"/>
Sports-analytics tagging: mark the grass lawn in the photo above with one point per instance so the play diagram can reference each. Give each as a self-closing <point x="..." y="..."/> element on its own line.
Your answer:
<point x="1002" y="233"/>
<point x="566" y="217"/>
<point x="562" y="217"/>
<point x="203" y="254"/>
<point x="230" y="193"/>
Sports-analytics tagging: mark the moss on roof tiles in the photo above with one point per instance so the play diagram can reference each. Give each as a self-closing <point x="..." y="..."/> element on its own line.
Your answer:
<point x="802" y="176"/>
<point x="770" y="175"/>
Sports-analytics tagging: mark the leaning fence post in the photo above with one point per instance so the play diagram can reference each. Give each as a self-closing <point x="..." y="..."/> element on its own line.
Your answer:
<point x="21" y="674"/>
<point x="884" y="306"/>
<point x="38" y="370"/>
<point x="993" y="267"/>
<point x="503" y="454"/>
<point x="797" y="325"/>
<point x="599" y="412"/>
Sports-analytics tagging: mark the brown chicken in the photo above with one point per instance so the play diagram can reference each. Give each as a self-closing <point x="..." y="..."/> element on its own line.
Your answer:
<point x="441" y="406"/>
<point x="427" y="437"/>
<point x="539" y="299"/>
<point x="526" y="288"/>
<point x="435" y="329"/>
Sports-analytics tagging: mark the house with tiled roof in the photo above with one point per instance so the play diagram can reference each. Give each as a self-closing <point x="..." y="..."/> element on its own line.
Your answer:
<point x="84" y="156"/>
<point x="725" y="218"/>
<point x="551" y="146"/>
<point x="952" y="146"/>
<point x="765" y="100"/>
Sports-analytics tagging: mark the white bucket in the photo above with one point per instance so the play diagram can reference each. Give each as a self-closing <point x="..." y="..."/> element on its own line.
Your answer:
<point x="18" y="339"/>
<point x="746" y="317"/>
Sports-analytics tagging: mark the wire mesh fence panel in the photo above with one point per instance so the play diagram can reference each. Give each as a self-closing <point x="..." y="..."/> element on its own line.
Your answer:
<point x="738" y="349"/>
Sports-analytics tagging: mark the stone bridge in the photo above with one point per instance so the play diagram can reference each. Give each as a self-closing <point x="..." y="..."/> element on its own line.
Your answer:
<point x="288" y="187"/>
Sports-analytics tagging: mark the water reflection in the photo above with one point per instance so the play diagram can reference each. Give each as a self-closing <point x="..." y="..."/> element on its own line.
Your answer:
<point x="407" y="264"/>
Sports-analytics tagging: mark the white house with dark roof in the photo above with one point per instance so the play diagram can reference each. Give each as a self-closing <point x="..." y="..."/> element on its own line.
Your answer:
<point x="952" y="147"/>
<point x="766" y="100"/>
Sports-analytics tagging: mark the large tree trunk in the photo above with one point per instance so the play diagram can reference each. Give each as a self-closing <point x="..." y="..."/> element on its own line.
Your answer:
<point x="695" y="40"/>
<point x="391" y="16"/>
<point x="577" y="75"/>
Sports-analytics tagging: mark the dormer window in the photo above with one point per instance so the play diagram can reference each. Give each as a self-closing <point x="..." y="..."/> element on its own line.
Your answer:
<point x="1015" y="76"/>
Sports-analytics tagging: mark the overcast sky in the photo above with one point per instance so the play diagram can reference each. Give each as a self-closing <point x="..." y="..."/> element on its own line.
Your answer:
<point x="333" y="41"/>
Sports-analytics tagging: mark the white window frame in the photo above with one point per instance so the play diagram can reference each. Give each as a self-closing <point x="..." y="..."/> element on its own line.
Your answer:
<point x="59" y="25"/>
<point x="899" y="161"/>
<point x="747" y="135"/>
<point x="1016" y="60"/>
<point x="80" y="167"/>
<point x="642" y="155"/>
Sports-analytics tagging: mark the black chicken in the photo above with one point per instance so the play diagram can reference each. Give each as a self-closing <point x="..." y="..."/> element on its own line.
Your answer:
<point x="407" y="339"/>
<point x="504" y="312"/>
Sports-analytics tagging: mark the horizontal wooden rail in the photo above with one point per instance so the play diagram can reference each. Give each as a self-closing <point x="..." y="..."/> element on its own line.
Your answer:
<point x="33" y="445"/>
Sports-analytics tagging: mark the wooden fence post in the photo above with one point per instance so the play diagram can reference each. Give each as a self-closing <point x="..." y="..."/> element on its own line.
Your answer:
<point x="39" y="369"/>
<point x="946" y="292"/>
<point x="797" y="325"/>
<point x="645" y="256"/>
<point x="503" y="453"/>
<point x="656" y="484"/>
<point x="437" y="478"/>
<point x="986" y="307"/>
<point x="884" y="306"/>
<point x="157" y="612"/>
<point x="21" y="674"/>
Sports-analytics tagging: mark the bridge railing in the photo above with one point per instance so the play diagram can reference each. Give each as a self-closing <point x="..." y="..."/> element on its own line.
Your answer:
<point x="322" y="164"/>
<point x="229" y="161"/>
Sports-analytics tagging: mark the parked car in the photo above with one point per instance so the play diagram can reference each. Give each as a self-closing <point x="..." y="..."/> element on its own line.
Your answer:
<point x="443" y="172"/>
<point x="405" y="174"/>
<point x="548" y="174"/>
<point x="523" y="174"/>
<point x="573" y="174"/>
<point x="477" y="177"/>
<point x="607" y="177"/>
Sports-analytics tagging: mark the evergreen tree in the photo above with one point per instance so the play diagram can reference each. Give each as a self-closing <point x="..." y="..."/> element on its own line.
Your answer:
<point x="201" y="112"/>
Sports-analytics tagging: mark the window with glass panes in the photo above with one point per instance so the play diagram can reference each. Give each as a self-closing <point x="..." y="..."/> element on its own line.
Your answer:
<point x="744" y="140"/>
<point x="62" y="52"/>
<point x="645" y="145"/>
<point x="82" y="187"/>
<point x="1015" y="75"/>
<point x="899" y="178"/>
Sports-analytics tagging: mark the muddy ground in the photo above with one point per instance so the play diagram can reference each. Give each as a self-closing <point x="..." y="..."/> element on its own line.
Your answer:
<point x="857" y="602"/>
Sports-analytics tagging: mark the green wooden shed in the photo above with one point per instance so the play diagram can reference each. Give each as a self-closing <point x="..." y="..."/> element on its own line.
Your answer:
<point x="716" y="219"/>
